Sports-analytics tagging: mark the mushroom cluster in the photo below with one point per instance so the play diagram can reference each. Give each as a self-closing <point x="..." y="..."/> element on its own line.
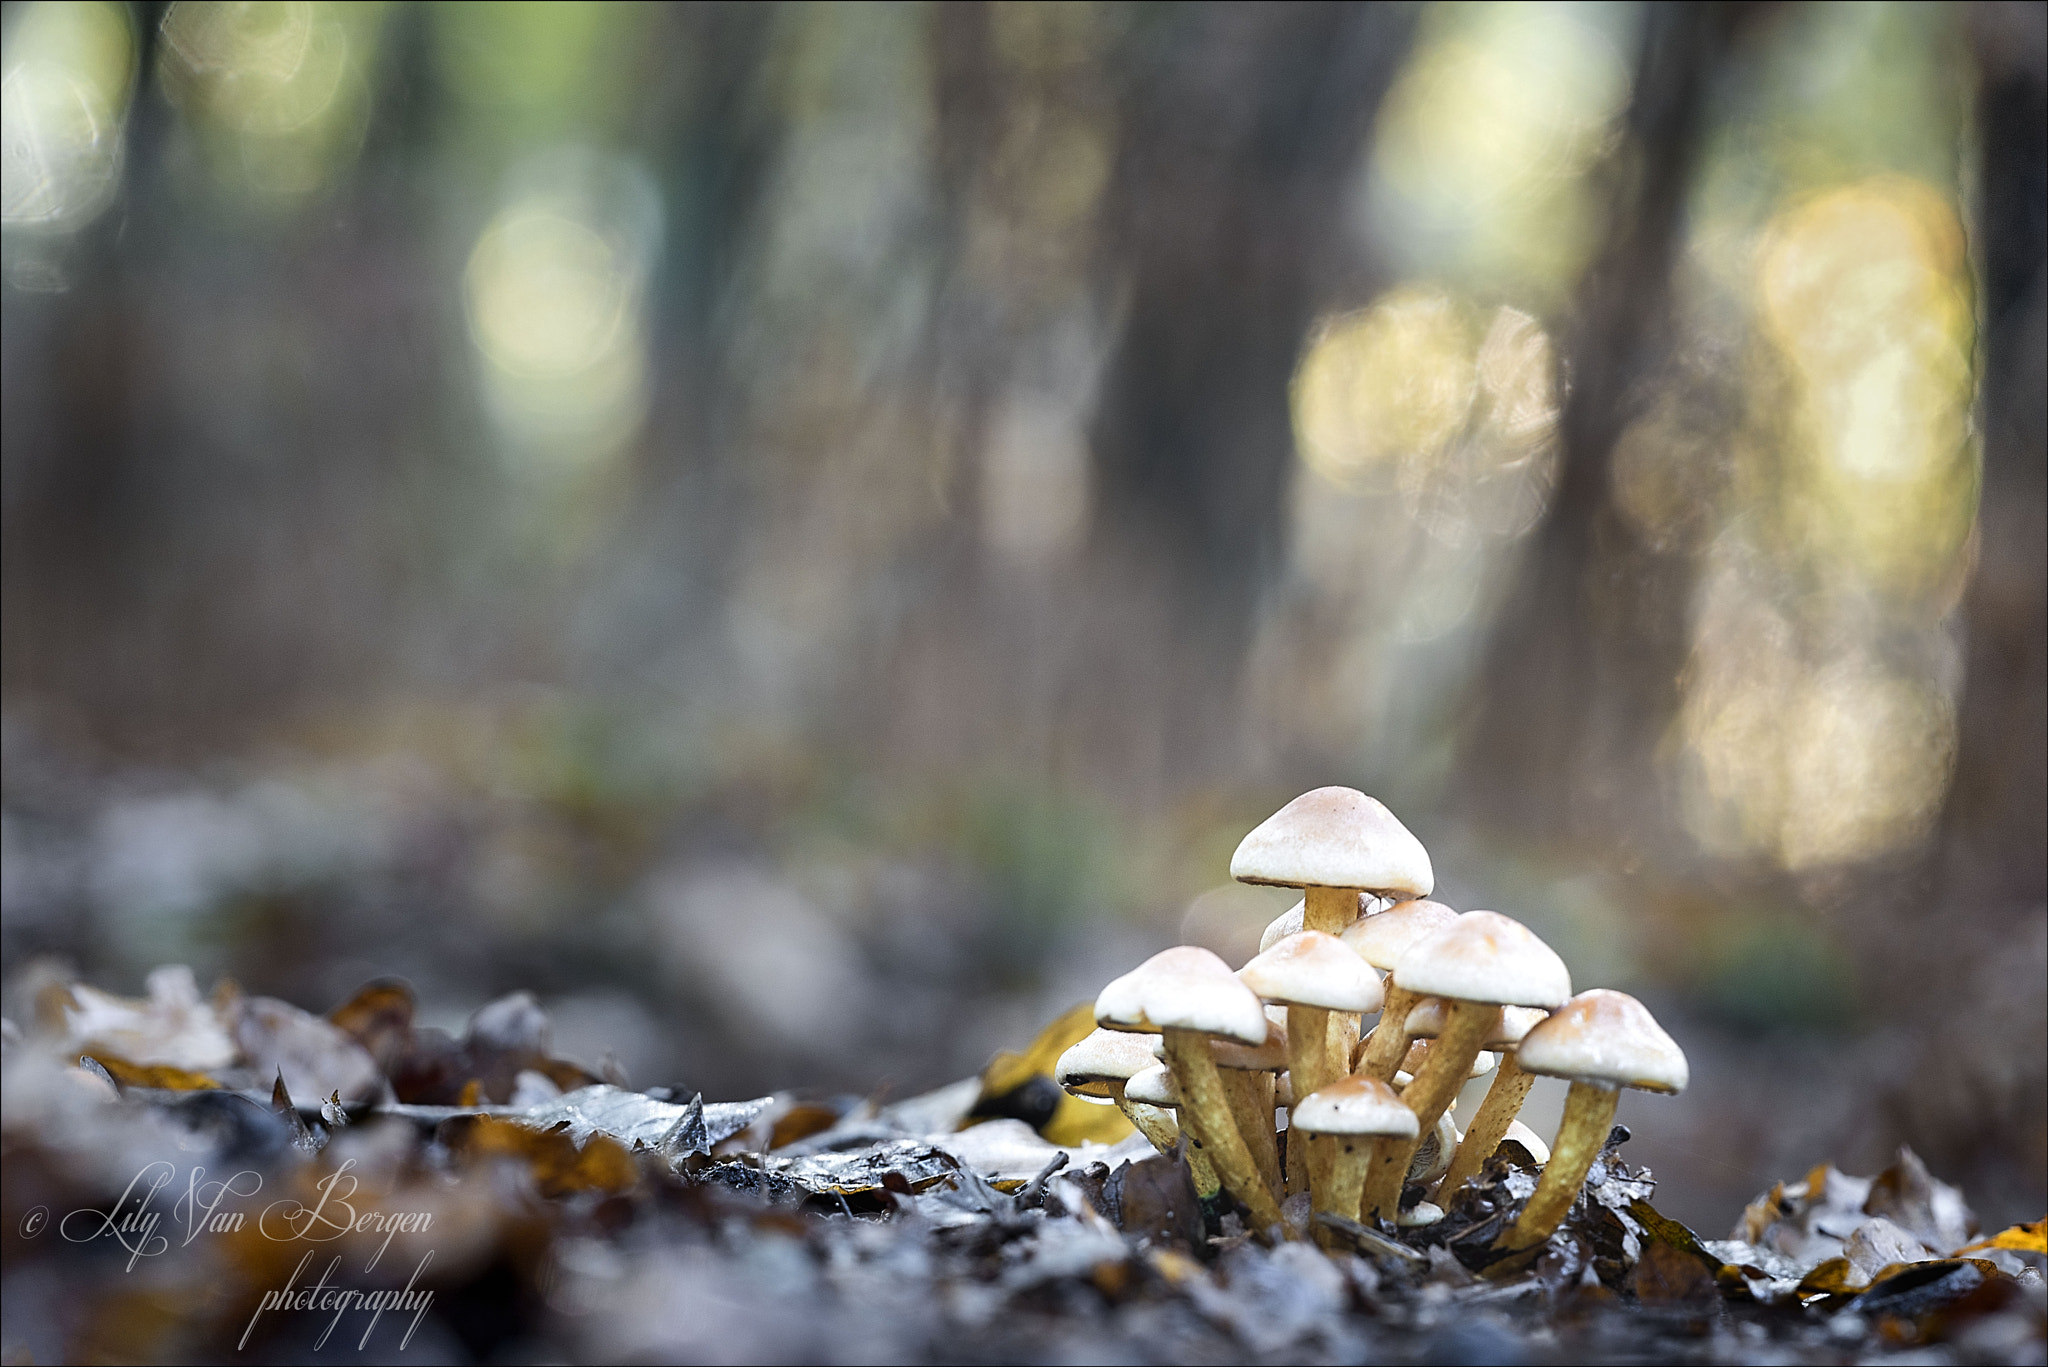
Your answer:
<point x="1273" y="1059"/>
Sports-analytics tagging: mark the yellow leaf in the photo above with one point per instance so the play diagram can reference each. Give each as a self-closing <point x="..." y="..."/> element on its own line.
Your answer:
<point x="159" y="1075"/>
<point x="2020" y="1239"/>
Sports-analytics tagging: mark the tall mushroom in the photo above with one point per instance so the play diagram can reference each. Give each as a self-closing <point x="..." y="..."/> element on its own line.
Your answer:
<point x="1312" y="974"/>
<point x="1503" y="1099"/>
<point x="1602" y="1041"/>
<point x="1348" y="1119"/>
<point x="1189" y="995"/>
<point x="1478" y="963"/>
<point x="1336" y="845"/>
<point x="1333" y="844"/>
<point x="1381" y="940"/>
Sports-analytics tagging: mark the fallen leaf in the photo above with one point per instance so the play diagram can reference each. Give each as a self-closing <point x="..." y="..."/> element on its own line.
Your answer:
<point x="161" y="1076"/>
<point x="378" y="1017"/>
<point x="1668" y="1275"/>
<point x="2019" y="1238"/>
<point x="315" y="1056"/>
<point x="172" y="1026"/>
<point x="558" y="1165"/>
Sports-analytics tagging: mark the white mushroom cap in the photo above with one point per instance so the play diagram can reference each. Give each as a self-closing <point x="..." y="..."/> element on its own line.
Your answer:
<point x="1420" y="1214"/>
<point x="1381" y="939"/>
<point x="1183" y="988"/>
<point x="1103" y="1056"/>
<point x="1270" y="1057"/>
<point x="1529" y="1140"/>
<point x="1285" y="924"/>
<point x="1354" y="1105"/>
<point x="1334" y="838"/>
<point x="1483" y="1062"/>
<point x="1153" y="1087"/>
<point x="1426" y="1021"/>
<point x="1310" y="968"/>
<point x="1515" y="1022"/>
<point x="1484" y="956"/>
<point x="1605" y="1037"/>
<point x="1432" y="1158"/>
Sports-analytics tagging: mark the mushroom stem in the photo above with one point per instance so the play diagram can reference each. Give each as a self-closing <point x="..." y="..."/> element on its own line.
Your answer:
<point x="1346" y="1157"/>
<point x="1388" y="1043"/>
<point x="1308" y="1065"/>
<point x="1447" y="1069"/>
<point x="1155" y="1123"/>
<point x="1251" y="1106"/>
<point x="1329" y="910"/>
<point x="1297" y="1156"/>
<point x="1588" y="1116"/>
<point x="1385" y="1172"/>
<point x="1205" y="1116"/>
<point x="1489" y="1124"/>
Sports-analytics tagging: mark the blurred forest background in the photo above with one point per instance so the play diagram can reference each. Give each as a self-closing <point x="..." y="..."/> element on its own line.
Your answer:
<point x="804" y="533"/>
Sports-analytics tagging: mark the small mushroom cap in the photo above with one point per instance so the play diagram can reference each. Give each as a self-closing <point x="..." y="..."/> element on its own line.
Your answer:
<point x="1283" y="1089"/>
<point x="1153" y="1087"/>
<point x="1334" y="838"/>
<point x="1381" y="939"/>
<point x="1285" y="924"/>
<point x="1426" y="1021"/>
<point x="1529" y="1140"/>
<point x="1418" y="1054"/>
<point x="1515" y="1022"/>
<point x="1310" y="968"/>
<point x="1484" y="956"/>
<point x="1354" y="1105"/>
<point x="1103" y="1056"/>
<point x="1420" y="1214"/>
<point x="1607" y="1037"/>
<point x="1433" y="1155"/>
<point x="1183" y="988"/>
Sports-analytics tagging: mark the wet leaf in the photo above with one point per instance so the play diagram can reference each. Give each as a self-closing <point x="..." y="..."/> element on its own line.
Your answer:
<point x="1930" y="1210"/>
<point x="315" y="1056"/>
<point x="637" y="1120"/>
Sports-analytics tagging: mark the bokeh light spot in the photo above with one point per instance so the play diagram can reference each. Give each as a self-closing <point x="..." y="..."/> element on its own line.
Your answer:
<point x="68" y="69"/>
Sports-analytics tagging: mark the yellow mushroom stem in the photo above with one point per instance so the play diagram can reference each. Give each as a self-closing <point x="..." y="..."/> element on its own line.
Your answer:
<point x="1346" y="1157"/>
<point x="1155" y="1123"/>
<point x="1205" y="1117"/>
<point x="1447" y="1069"/>
<point x="1251" y="1106"/>
<point x="1389" y="1041"/>
<point x="1588" y="1116"/>
<point x="1489" y="1125"/>
<point x="1386" y="1170"/>
<point x="1308" y="1065"/>
<point x="1330" y="910"/>
<point x="1297" y="1157"/>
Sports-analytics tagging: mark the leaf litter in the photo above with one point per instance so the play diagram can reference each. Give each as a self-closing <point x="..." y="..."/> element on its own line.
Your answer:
<point x="552" y="1213"/>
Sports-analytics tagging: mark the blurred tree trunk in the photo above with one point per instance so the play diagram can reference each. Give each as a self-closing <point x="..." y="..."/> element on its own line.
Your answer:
<point x="1240" y="136"/>
<point x="1975" y="1100"/>
<point x="1580" y="677"/>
